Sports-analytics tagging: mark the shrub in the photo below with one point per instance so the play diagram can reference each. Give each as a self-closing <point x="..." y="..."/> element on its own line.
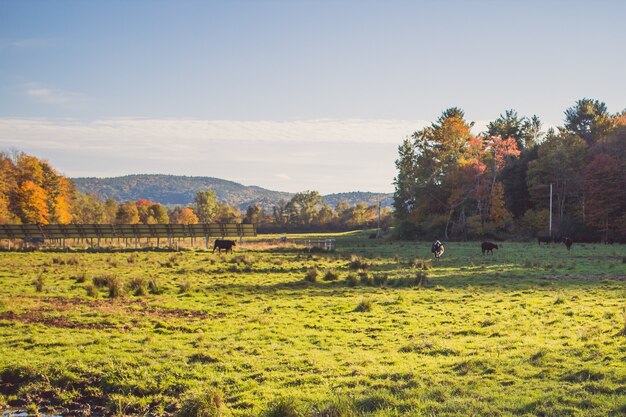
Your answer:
<point x="202" y="404"/>
<point x="311" y="275"/>
<point x="365" y="305"/>
<point x="331" y="275"/>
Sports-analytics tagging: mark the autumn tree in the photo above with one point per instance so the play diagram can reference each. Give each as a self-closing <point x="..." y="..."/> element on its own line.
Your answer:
<point x="33" y="207"/>
<point x="226" y="214"/>
<point x="127" y="213"/>
<point x="8" y="189"/>
<point x="183" y="215"/>
<point x="526" y="131"/>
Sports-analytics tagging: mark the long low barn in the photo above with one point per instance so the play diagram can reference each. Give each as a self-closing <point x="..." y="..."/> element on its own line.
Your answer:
<point x="62" y="232"/>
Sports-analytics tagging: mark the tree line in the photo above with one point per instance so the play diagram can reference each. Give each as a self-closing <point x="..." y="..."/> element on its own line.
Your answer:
<point x="33" y="192"/>
<point x="456" y="185"/>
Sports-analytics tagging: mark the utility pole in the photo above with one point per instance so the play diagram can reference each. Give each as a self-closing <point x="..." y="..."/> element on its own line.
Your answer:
<point x="550" y="210"/>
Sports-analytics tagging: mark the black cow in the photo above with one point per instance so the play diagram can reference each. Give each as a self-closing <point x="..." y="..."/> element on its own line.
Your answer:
<point x="568" y="243"/>
<point x="227" y="245"/>
<point x="437" y="249"/>
<point x="488" y="247"/>
<point x="545" y="239"/>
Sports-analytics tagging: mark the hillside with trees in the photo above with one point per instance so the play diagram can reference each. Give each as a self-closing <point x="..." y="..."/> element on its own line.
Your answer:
<point x="452" y="184"/>
<point x="173" y="190"/>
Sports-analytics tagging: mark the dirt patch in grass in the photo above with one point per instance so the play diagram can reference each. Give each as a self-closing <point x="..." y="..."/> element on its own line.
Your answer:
<point x="125" y="306"/>
<point x="38" y="317"/>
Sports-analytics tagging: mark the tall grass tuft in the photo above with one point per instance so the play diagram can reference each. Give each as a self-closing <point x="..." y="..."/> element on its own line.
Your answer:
<point x="352" y="280"/>
<point x="202" y="404"/>
<point x="92" y="291"/>
<point x="339" y="407"/>
<point x="153" y="286"/>
<point x="102" y="281"/>
<point x="311" y="275"/>
<point x="419" y="264"/>
<point x="138" y="286"/>
<point x="184" y="287"/>
<point x="356" y="263"/>
<point x="82" y="277"/>
<point x="331" y="275"/>
<point x="133" y="258"/>
<point x="39" y="283"/>
<point x="380" y="279"/>
<point x="366" y="305"/>
<point x="116" y="287"/>
<point x="283" y="407"/>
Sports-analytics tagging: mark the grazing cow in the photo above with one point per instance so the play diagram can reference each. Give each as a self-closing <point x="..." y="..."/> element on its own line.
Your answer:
<point x="488" y="247"/>
<point x="437" y="249"/>
<point x="568" y="243"/>
<point x="545" y="239"/>
<point x="227" y="245"/>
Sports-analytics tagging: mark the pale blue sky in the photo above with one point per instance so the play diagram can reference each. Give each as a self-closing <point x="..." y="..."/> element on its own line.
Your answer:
<point x="288" y="95"/>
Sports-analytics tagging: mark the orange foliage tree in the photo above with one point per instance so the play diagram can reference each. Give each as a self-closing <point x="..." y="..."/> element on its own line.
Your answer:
<point x="33" y="207"/>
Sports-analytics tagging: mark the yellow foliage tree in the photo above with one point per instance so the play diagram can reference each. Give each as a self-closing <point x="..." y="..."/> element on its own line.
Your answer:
<point x="32" y="203"/>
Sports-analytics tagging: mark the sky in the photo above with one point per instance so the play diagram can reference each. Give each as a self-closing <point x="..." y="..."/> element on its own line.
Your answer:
<point x="289" y="95"/>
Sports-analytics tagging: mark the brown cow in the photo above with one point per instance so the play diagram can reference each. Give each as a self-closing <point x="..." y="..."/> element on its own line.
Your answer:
<point x="488" y="247"/>
<point x="568" y="243"/>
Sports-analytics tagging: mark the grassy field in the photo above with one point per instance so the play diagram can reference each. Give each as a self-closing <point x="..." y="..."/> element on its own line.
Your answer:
<point x="376" y="328"/>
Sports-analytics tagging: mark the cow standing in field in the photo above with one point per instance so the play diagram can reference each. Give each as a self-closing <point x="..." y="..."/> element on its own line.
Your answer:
<point x="545" y="239"/>
<point x="437" y="249"/>
<point x="488" y="247"/>
<point x="568" y="243"/>
<point x="227" y="245"/>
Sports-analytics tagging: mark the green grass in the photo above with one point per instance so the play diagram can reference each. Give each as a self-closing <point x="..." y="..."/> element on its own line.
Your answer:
<point x="528" y="331"/>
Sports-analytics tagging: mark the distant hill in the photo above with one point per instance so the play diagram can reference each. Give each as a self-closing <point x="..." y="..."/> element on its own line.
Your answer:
<point x="180" y="190"/>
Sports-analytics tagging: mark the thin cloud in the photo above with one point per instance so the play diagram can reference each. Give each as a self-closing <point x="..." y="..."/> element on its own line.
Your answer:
<point x="45" y="94"/>
<point x="25" y="43"/>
